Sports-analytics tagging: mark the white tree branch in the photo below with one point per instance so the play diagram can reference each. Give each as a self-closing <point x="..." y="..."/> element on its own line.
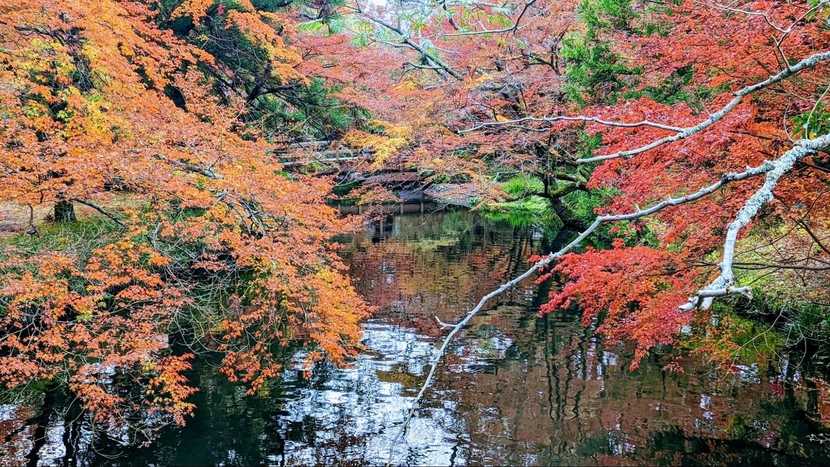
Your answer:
<point x="723" y="284"/>
<point x="680" y="133"/>
<point x="578" y="118"/>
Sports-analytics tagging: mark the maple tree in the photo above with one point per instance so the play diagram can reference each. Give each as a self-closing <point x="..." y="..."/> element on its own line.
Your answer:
<point x="206" y="242"/>
<point x="695" y="133"/>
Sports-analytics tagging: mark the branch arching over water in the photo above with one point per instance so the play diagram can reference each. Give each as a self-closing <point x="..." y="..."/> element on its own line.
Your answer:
<point x="721" y="286"/>
<point x="680" y="133"/>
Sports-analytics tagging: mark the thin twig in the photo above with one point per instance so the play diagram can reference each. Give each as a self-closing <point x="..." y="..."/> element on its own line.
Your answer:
<point x="101" y="210"/>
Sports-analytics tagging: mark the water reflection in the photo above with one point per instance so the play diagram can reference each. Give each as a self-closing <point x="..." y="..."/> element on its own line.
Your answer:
<point x="356" y="411"/>
<point x="515" y="389"/>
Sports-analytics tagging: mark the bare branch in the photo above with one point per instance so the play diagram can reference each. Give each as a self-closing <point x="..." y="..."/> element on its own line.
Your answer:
<point x="750" y="13"/>
<point x="206" y="171"/>
<point x="406" y="41"/>
<point x="815" y="238"/>
<point x="787" y="31"/>
<point x="32" y="230"/>
<point x="443" y="324"/>
<point x="577" y="118"/>
<point x="681" y="133"/>
<point x="101" y="210"/>
<point x="512" y="28"/>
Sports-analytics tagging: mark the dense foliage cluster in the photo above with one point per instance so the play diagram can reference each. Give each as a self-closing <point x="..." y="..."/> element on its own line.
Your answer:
<point x="203" y="243"/>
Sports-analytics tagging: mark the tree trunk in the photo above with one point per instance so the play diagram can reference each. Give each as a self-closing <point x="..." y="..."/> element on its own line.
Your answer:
<point x="65" y="211"/>
<point x="565" y="214"/>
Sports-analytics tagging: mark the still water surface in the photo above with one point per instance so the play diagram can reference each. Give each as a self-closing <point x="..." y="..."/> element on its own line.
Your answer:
<point x="515" y="389"/>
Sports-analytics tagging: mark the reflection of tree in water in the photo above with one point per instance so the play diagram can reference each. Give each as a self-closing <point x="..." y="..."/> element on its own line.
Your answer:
<point x="435" y="265"/>
<point x="515" y="389"/>
<point x="559" y="397"/>
<point x="555" y="394"/>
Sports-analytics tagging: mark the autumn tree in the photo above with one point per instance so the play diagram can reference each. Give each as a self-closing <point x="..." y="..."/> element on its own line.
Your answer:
<point x="203" y="242"/>
<point x="697" y="131"/>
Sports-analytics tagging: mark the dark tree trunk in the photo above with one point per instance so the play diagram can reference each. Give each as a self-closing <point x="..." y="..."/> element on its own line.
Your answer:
<point x="565" y="214"/>
<point x="65" y="211"/>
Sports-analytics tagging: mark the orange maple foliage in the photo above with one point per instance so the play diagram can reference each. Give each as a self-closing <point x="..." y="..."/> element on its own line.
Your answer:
<point x="215" y="248"/>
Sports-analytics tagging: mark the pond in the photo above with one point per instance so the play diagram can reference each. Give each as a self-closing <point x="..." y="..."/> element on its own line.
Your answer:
<point x="514" y="389"/>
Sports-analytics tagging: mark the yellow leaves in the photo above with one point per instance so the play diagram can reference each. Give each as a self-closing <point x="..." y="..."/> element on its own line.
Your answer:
<point x="339" y="312"/>
<point x="224" y="212"/>
<point x="406" y="86"/>
<point x="384" y="146"/>
<point x="392" y="130"/>
<point x="85" y="307"/>
<point x="476" y="81"/>
<point x="126" y="50"/>
<point x="86" y="118"/>
<point x="284" y="59"/>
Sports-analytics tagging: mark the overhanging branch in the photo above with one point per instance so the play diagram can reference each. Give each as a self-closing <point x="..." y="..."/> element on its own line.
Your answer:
<point x="773" y="170"/>
<point x="512" y="28"/>
<point x="723" y="284"/>
<point x="680" y="133"/>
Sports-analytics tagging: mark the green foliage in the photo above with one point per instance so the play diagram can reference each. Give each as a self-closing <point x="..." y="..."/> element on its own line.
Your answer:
<point x="592" y="67"/>
<point x="532" y="211"/>
<point x="523" y="185"/>
<point x="773" y="296"/>
<point x="314" y="105"/>
<point x="676" y="88"/>
<point x="588" y="143"/>
<point x="607" y="14"/>
<point x="304" y="110"/>
<point x="745" y="340"/>
<point x="311" y="26"/>
<point x="75" y="238"/>
<point x="333" y="24"/>
<point x="582" y="204"/>
<point x="813" y="123"/>
<point x="650" y="29"/>
<point x="271" y="5"/>
<point x="671" y="91"/>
